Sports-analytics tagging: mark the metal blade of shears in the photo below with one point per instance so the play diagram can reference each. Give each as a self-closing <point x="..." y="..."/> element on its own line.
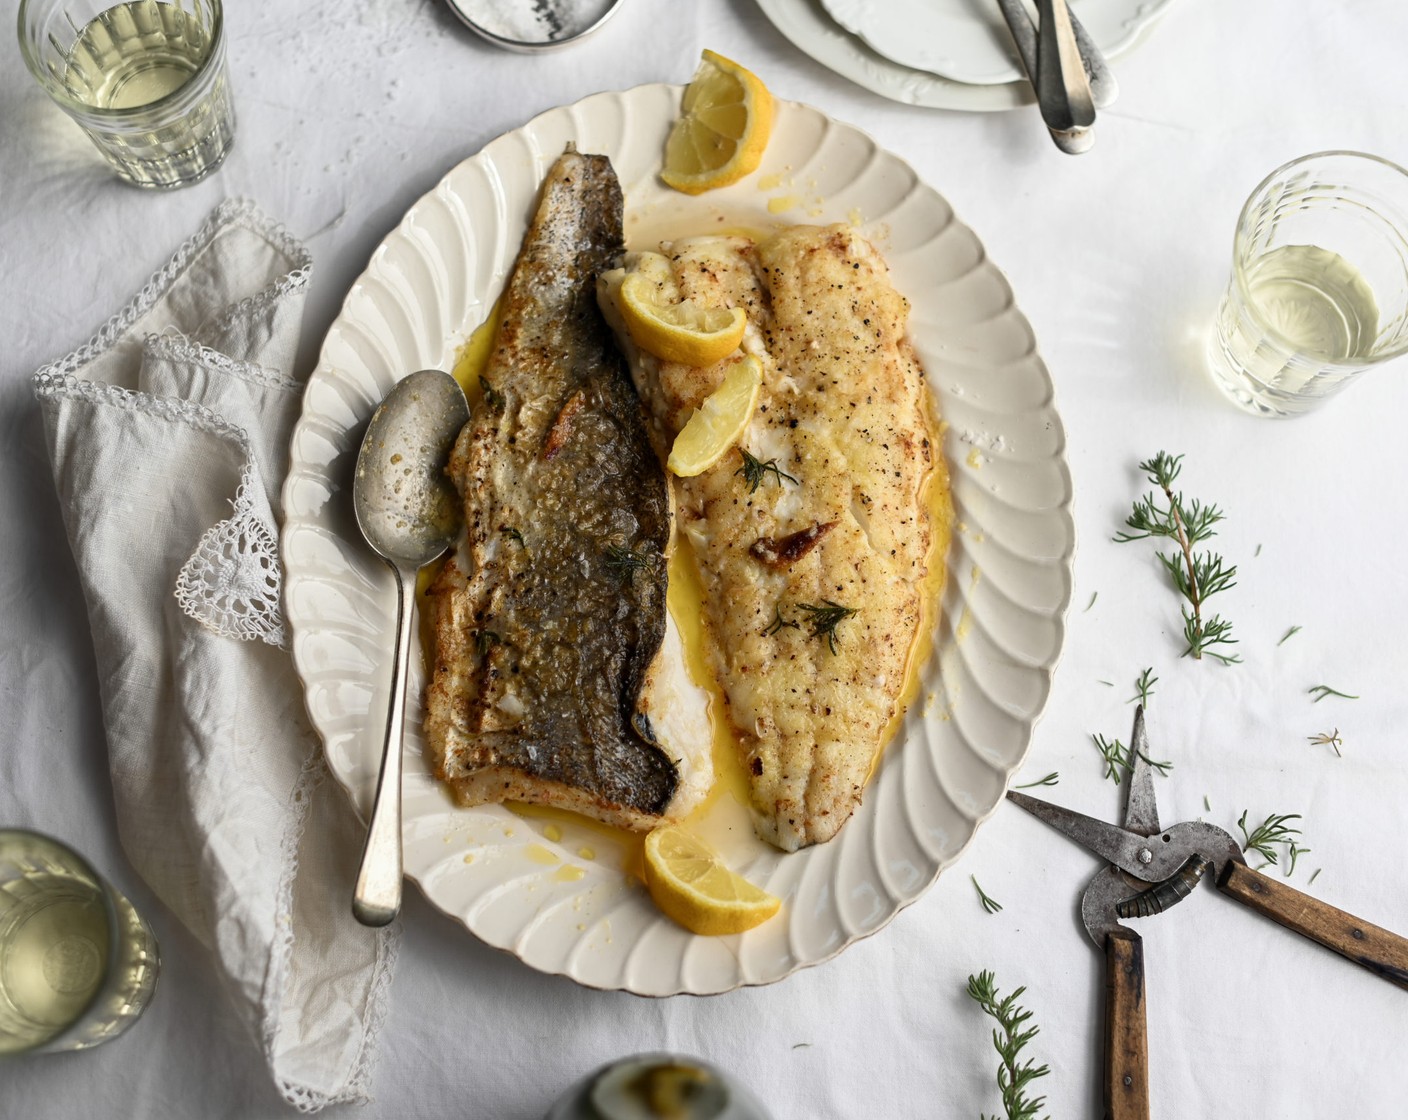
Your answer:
<point x="1141" y="811"/>
<point x="1129" y="851"/>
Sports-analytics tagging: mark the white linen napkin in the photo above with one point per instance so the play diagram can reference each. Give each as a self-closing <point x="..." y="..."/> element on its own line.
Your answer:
<point x="168" y="434"/>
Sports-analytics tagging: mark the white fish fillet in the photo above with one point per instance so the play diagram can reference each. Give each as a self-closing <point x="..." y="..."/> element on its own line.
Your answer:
<point x="845" y="412"/>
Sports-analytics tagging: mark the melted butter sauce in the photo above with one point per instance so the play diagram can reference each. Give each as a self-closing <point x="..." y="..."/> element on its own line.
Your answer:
<point x="723" y="818"/>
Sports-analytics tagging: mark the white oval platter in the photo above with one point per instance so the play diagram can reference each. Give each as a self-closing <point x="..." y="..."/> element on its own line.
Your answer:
<point x="560" y="897"/>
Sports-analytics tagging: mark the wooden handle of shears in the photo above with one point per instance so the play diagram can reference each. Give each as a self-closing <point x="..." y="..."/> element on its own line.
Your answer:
<point x="1383" y="953"/>
<point x="1126" y="1038"/>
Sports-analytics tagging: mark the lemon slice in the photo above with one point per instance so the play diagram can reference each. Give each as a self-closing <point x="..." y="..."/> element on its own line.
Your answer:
<point x="681" y="331"/>
<point x="715" y="425"/>
<point x="725" y="125"/>
<point x="689" y="883"/>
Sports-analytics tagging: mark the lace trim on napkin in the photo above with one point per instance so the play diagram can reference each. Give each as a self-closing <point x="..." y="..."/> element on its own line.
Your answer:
<point x="232" y="584"/>
<point x="233" y="211"/>
<point x="315" y="772"/>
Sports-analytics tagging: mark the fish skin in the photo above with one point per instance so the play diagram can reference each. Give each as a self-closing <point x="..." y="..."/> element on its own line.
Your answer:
<point x="550" y="657"/>
<point x="845" y="411"/>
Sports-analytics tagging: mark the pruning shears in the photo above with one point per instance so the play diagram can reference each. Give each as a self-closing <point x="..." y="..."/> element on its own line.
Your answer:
<point x="1152" y="868"/>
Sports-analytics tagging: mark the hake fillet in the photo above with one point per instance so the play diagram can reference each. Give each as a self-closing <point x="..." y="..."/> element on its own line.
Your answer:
<point x="558" y="677"/>
<point x="844" y="412"/>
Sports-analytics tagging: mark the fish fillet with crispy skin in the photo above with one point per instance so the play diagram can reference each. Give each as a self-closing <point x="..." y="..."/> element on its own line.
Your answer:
<point x="558" y="677"/>
<point x="837" y="523"/>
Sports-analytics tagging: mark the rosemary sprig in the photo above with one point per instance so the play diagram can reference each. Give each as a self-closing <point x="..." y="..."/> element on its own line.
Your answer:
<point x="1328" y="739"/>
<point x="1013" y="1077"/>
<point x="1289" y="633"/>
<point x="492" y="397"/>
<point x="1050" y="780"/>
<point x="755" y="470"/>
<point x="486" y="640"/>
<point x="1320" y="691"/>
<point x="1275" y="829"/>
<point x="1117" y="759"/>
<point x="624" y="562"/>
<point x="992" y="906"/>
<point x="778" y="622"/>
<point x="1144" y="687"/>
<point x="1197" y="576"/>
<point x="825" y="618"/>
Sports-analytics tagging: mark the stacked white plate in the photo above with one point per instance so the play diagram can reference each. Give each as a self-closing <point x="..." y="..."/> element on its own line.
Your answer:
<point x="944" y="54"/>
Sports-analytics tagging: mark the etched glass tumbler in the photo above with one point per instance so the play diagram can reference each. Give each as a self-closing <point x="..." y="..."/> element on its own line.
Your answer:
<point x="78" y="964"/>
<point x="1319" y="288"/>
<point x="146" y="80"/>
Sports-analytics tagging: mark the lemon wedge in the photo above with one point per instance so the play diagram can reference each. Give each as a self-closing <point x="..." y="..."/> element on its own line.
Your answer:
<point x="725" y="125"/>
<point x="688" y="882"/>
<point x="715" y="425"/>
<point x="679" y="331"/>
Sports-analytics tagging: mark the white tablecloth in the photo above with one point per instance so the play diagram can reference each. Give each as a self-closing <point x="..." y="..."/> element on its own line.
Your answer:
<point x="348" y="112"/>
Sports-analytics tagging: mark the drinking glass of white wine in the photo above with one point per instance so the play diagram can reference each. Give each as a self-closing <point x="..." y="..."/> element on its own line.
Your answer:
<point x="1319" y="288"/>
<point x="78" y="964"/>
<point x="145" y="79"/>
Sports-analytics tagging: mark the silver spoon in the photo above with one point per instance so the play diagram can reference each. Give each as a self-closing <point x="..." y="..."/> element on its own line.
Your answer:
<point x="407" y="509"/>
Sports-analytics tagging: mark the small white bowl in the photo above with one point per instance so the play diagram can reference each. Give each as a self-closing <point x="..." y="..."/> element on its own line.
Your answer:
<point x="513" y="24"/>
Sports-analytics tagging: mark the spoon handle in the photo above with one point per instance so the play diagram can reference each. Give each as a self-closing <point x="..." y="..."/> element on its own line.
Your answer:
<point x="377" y="899"/>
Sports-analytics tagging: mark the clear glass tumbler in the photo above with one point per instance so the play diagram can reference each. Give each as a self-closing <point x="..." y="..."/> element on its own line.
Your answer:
<point x="1319" y="288"/>
<point x="77" y="963"/>
<point x="145" y="80"/>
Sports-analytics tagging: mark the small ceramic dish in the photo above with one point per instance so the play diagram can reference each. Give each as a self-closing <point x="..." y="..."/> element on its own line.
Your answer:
<point x="531" y="26"/>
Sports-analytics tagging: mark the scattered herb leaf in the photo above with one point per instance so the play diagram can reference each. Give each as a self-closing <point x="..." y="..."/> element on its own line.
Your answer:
<point x="485" y="640"/>
<point x="1294" y="851"/>
<point x="1117" y="759"/>
<point x="755" y="471"/>
<point x="1258" y="551"/>
<point x="1323" y="690"/>
<point x="1207" y="805"/>
<point x="800" y="1045"/>
<point x="1093" y="596"/>
<point x="1292" y="631"/>
<point x="825" y="618"/>
<point x="992" y="906"/>
<point x="1328" y="739"/>
<point x="1276" y="829"/>
<point x="1313" y="875"/>
<point x="1197" y="576"/>
<point x="1111" y="684"/>
<point x="1144" y="687"/>
<point x="1050" y="780"/>
<point x="1013" y="1077"/>
<point x="512" y="534"/>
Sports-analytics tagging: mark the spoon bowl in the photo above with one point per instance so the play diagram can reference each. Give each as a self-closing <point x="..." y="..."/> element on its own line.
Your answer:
<point x="408" y="511"/>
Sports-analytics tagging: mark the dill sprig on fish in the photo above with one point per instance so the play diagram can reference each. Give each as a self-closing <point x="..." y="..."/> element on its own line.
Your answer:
<point x="825" y="618"/>
<point x="624" y="562"/>
<point x="755" y="471"/>
<point x="492" y="397"/>
<point x="778" y="623"/>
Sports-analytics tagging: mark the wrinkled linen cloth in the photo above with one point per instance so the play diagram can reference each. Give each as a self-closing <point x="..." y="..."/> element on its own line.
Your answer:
<point x="168" y="434"/>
